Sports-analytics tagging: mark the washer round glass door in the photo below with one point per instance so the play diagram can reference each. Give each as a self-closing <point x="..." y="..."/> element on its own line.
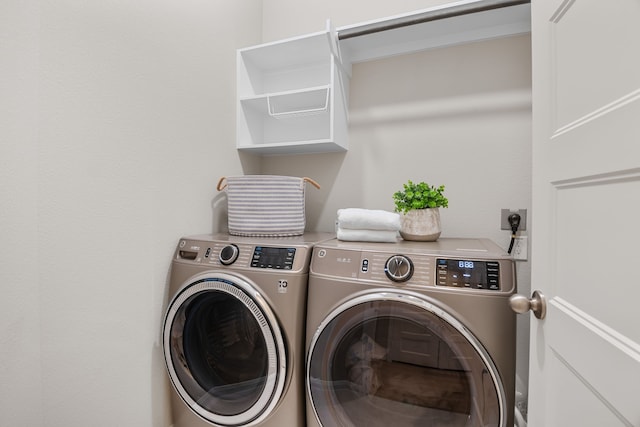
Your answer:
<point x="396" y="358"/>
<point x="224" y="350"/>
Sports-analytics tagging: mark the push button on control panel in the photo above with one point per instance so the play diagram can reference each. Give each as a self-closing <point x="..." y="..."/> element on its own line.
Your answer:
<point x="365" y="265"/>
<point x="493" y="275"/>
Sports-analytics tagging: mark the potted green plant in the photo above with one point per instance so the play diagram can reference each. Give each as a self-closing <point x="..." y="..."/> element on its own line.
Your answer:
<point x="419" y="208"/>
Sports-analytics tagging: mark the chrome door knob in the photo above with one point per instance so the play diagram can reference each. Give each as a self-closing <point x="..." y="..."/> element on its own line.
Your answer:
<point x="537" y="304"/>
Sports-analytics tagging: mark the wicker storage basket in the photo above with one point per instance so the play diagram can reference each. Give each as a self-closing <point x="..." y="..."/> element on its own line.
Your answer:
<point x="265" y="205"/>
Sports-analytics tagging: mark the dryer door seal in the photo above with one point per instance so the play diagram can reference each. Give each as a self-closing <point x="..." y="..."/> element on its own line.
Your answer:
<point x="224" y="350"/>
<point x="396" y="358"/>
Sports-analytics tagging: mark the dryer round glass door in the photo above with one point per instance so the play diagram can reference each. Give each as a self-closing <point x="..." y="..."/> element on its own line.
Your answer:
<point x="224" y="350"/>
<point x="397" y="359"/>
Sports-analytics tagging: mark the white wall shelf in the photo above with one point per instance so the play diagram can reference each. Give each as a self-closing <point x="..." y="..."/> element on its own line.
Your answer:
<point x="293" y="94"/>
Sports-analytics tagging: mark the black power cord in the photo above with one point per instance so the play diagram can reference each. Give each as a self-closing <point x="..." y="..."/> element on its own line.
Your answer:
<point x="514" y="221"/>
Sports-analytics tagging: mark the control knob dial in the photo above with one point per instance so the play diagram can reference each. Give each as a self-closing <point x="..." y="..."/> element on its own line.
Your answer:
<point x="229" y="254"/>
<point x="399" y="268"/>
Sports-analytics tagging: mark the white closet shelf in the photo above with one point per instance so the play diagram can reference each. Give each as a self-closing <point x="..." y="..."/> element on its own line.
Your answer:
<point x="446" y="25"/>
<point x="287" y="53"/>
<point x="291" y="104"/>
<point x="297" y="147"/>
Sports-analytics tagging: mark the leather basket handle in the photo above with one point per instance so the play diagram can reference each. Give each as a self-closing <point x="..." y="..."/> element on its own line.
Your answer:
<point x="222" y="184"/>
<point x="311" y="181"/>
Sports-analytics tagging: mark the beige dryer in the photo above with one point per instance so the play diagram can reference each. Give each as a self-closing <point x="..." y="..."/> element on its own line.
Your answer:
<point x="410" y="333"/>
<point x="233" y="332"/>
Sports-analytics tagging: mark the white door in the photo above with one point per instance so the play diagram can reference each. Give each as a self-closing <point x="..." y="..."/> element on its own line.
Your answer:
<point x="585" y="354"/>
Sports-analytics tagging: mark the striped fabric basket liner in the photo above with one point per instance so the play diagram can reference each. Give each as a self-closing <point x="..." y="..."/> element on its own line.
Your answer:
<point x="265" y="205"/>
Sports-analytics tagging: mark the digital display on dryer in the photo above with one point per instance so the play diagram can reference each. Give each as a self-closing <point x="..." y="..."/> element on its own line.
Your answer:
<point x="465" y="273"/>
<point x="275" y="258"/>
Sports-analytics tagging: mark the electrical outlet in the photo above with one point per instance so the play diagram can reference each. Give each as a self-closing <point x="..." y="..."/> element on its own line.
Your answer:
<point x="519" y="250"/>
<point x="504" y="219"/>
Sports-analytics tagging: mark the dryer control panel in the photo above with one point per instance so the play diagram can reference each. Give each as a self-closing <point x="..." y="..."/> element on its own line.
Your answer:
<point x="467" y="273"/>
<point x="272" y="257"/>
<point x="450" y="264"/>
<point x="238" y="255"/>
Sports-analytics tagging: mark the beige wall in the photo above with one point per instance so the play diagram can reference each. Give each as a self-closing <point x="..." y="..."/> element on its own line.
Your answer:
<point x="20" y="374"/>
<point x="117" y="120"/>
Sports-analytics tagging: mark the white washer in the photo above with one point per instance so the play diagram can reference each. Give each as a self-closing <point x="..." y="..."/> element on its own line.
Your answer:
<point x="233" y="332"/>
<point x="411" y="333"/>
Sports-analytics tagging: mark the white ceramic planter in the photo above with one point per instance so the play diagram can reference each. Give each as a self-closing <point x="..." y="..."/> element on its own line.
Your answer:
<point x="421" y="225"/>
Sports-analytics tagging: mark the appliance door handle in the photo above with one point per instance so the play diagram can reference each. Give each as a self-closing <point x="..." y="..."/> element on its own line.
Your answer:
<point x="537" y="304"/>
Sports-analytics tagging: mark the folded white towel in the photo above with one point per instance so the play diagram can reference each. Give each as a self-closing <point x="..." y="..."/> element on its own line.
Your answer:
<point x="351" y="235"/>
<point x="368" y="219"/>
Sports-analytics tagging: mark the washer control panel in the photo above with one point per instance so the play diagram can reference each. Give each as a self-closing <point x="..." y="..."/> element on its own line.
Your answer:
<point x="466" y="273"/>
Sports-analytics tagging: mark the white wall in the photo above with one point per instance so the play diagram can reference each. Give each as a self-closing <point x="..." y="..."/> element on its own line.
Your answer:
<point x="117" y="120"/>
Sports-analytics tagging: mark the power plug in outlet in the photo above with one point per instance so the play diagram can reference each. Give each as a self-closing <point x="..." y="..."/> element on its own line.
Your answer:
<point x="504" y="219"/>
<point x="519" y="251"/>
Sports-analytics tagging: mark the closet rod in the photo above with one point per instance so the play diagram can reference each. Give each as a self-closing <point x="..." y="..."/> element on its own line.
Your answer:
<point x="430" y="15"/>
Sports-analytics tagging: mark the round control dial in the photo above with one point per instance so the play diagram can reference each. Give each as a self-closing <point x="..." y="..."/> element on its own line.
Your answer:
<point x="399" y="268"/>
<point x="228" y="254"/>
